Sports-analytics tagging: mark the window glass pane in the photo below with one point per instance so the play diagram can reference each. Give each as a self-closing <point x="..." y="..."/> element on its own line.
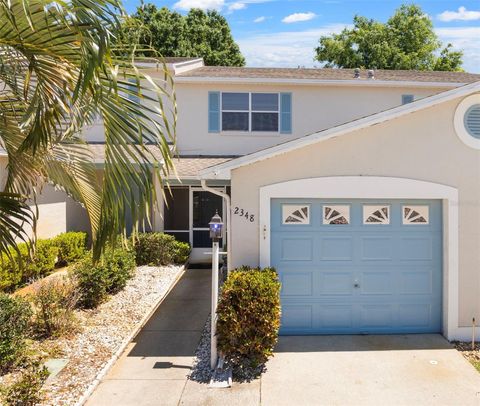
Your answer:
<point x="179" y="236"/>
<point x="201" y="239"/>
<point x="235" y="121"/>
<point x="235" y="101"/>
<point x="264" y="121"/>
<point x="176" y="209"/>
<point x="205" y="204"/>
<point x="264" y="102"/>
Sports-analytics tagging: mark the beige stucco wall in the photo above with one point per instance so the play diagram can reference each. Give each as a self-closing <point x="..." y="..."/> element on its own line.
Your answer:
<point x="313" y="108"/>
<point x="421" y="145"/>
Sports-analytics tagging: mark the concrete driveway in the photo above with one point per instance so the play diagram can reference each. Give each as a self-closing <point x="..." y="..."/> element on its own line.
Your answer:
<point x="369" y="370"/>
<point x="314" y="370"/>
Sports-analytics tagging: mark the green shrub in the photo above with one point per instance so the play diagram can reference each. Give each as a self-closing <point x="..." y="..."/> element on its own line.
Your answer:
<point x="43" y="261"/>
<point x="20" y="269"/>
<point x="249" y="318"/>
<point x="120" y="266"/>
<point x="109" y="275"/>
<point x="15" y="314"/>
<point x="26" y="390"/>
<point x="160" y="249"/>
<point x="54" y="301"/>
<point x="71" y="247"/>
<point x="181" y="252"/>
<point x="92" y="283"/>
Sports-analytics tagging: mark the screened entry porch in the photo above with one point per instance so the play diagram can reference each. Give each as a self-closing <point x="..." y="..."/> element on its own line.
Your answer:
<point x="187" y="212"/>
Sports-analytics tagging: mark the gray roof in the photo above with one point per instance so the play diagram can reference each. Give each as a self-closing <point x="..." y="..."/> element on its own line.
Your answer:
<point x="329" y="74"/>
<point x="187" y="167"/>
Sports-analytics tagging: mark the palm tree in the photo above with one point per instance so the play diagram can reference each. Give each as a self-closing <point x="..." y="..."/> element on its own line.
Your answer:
<point x="58" y="73"/>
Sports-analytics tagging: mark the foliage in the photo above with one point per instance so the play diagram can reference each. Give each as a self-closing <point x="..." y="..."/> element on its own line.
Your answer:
<point x="26" y="390"/>
<point x="92" y="283"/>
<point x="181" y="252"/>
<point x="198" y="34"/>
<point x="54" y="301"/>
<point x="119" y="266"/>
<point x="107" y="276"/>
<point x="19" y="265"/>
<point x="59" y="73"/>
<point x="15" y="314"/>
<point x="160" y="249"/>
<point x="249" y="318"/>
<point x="71" y="247"/>
<point x="406" y="41"/>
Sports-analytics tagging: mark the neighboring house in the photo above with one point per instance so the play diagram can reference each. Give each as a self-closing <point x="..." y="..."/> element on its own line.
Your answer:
<point x="361" y="188"/>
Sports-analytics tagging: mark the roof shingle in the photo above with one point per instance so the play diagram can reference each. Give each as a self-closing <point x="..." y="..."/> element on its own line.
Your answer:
<point x="329" y="74"/>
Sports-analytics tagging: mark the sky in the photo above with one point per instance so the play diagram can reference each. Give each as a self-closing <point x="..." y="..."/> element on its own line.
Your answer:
<point x="284" y="33"/>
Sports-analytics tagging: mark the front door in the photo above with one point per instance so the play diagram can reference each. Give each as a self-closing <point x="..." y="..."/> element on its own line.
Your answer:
<point x="204" y="206"/>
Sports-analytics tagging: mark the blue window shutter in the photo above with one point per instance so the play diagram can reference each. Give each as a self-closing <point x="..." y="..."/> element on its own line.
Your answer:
<point x="285" y="113"/>
<point x="213" y="112"/>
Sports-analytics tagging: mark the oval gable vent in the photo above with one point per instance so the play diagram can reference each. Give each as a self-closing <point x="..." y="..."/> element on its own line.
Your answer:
<point x="472" y="121"/>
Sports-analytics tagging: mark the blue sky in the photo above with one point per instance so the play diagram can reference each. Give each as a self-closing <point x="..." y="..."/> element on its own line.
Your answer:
<point x="283" y="33"/>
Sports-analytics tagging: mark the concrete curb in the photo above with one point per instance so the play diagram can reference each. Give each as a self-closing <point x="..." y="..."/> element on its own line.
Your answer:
<point x="86" y="395"/>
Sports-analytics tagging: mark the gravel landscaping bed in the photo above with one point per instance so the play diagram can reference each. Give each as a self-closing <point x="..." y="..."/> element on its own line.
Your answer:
<point x="102" y="331"/>
<point x="201" y="371"/>
<point x="472" y="355"/>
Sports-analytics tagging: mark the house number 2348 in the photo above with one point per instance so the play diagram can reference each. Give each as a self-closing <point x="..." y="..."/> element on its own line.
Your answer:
<point x="242" y="213"/>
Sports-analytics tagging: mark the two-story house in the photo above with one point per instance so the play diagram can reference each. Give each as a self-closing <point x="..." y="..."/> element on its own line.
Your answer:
<point x="360" y="187"/>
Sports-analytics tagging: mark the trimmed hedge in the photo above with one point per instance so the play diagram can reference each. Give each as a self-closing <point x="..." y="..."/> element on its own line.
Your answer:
<point x="160" y="249"/>
<point x="108" y="276"/>
<point x="20" y="269"/>
<point x="61" y="250"/>
<point x="15" y="314"/>
<point x="72" y="246"/>
<point x="248" y="317"/>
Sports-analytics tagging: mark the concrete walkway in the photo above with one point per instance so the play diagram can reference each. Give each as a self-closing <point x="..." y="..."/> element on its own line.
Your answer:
<point x="315" y="370"/>
<point x="154" y="367"/>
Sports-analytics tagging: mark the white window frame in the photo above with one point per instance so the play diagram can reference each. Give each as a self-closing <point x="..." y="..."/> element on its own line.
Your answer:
<point x="250" y="113"/>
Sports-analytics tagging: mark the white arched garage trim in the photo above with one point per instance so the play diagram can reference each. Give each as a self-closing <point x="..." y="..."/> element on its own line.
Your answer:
<point x="372" y="187"/>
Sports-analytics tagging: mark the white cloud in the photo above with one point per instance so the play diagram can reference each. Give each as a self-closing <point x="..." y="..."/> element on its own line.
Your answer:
<point x="297" y="17"/>
<point x="236" y="6"/>
<point x="466" y="39"/>
<point x="260" y="19"/>
<point x="461" y="15"/>
<point x="203" y="4"/>
<point x="285" y="49"/>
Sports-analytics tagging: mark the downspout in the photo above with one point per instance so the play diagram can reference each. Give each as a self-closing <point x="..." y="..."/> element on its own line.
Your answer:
<point x="227" y="217"/>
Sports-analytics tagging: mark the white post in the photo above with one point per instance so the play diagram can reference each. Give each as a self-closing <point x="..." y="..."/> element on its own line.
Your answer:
<point x="213" y="332"/>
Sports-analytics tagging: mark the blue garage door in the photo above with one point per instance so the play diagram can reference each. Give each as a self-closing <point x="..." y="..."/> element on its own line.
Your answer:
<point x="353" y="267"/>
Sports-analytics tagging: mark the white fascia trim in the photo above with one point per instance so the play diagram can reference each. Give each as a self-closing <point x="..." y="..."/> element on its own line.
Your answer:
<point x="222" y="171"/>
<point x="324" y="82"/>
<point x="374" y="187"/>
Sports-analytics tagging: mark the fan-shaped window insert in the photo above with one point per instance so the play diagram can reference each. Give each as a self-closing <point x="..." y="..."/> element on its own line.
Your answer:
<point x="415" y="214"/>
<point x="296" y="214"/>
<point x="472" y="121"/>
<point x="336" y="214"/>
<point x="376" y="214"/>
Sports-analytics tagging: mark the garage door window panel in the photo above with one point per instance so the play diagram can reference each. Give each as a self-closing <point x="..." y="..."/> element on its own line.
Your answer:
<point x="336" y="214"/>
<point x="296" y="214"/>
<point x="376" y="214"/>
<point x="415" y="215"/>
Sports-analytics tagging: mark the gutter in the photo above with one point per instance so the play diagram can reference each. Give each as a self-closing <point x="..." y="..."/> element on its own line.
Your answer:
<point x="227" y="214"/>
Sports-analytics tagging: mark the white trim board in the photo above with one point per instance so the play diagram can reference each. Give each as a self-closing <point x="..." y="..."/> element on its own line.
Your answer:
<point x="222" y="171"/>
<point x="372" y="187"/>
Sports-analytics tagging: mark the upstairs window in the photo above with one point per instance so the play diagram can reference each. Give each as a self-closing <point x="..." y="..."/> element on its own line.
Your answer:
<point x="250" y="112"/>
